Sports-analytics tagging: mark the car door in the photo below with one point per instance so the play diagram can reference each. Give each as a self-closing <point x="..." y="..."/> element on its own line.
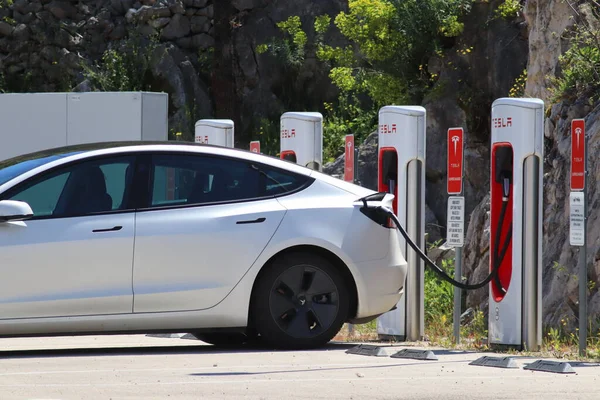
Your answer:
<point x="74" y="257"/>
<point x="207" y="220"/>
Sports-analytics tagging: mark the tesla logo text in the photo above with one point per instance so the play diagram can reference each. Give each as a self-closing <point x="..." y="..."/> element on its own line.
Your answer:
<point x="288" y="134"/>
<point x="202" y="139"/>
<point x="387" y="128"/>
<point x="455" y="140"/>
<point x="578" y="132"/>
<point x="502" y="122"/>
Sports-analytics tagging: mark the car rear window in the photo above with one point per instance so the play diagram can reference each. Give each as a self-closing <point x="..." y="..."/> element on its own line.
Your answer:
<point x="277" y="182"/>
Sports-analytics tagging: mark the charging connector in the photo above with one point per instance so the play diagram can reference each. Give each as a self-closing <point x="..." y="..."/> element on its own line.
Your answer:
<point x="431" y="264"/>
<point x="505" y="189"/>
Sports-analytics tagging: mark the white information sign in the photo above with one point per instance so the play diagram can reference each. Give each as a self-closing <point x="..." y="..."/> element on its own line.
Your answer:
<point x="576" y="219"/>
<point x="456" y="221"/>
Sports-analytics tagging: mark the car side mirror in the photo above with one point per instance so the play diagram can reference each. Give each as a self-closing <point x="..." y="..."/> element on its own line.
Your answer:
<point x="11" y="210"/>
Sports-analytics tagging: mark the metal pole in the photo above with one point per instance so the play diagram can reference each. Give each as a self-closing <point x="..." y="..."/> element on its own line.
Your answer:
<point x="531" y="269"/>
<point x="414" y="278"/>
<point x="355" y="181"/>
<point x="457" y="293"/>
<point x="583" y="264"/>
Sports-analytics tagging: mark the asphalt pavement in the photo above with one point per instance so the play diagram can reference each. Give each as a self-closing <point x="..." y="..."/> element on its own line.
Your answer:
<point x="143" y="367"/>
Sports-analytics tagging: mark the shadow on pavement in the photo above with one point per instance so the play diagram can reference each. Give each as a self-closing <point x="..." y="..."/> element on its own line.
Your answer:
<point x="199" y="348"/>
<point x="451" y="352"/>
<point x="361" y="367"/>
<point x="579" y="364"/>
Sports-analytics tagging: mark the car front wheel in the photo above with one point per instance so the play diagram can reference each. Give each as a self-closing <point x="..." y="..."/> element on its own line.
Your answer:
<point x="300" y="301"/>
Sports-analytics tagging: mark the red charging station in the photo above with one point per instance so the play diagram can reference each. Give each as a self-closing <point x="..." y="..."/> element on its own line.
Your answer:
<point x="516" y="223"/>
<point x="255" y="146"/>
<point x="219" y="132"/>
<point x="401" y="171"/>
<point x="349" y="159"/>
<point x="301" y="138"/>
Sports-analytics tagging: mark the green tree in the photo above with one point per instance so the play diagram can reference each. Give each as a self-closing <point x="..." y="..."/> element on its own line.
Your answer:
<point x="384" y="62"/>
<point x="580" y="64"/>
<point x="391" y="42"/>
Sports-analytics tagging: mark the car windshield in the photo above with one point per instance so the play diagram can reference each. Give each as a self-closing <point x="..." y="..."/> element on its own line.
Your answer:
<point x="14" y="167"/>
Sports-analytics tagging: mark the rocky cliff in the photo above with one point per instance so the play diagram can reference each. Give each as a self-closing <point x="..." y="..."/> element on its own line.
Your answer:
<point x="548" y="21"/>
<point x="481" y="66"/>
<point x="465" y="92"/>
<point x="203" y="53"/>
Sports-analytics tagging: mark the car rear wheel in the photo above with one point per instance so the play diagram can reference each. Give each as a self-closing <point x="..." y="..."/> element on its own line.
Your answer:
<point x="300" y="301"/>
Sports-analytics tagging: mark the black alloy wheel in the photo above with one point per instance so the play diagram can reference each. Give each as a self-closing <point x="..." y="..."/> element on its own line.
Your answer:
<point x="300" y="302"/>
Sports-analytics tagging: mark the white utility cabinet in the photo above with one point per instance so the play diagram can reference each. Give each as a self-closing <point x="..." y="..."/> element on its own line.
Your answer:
<point x="31" y="122"/>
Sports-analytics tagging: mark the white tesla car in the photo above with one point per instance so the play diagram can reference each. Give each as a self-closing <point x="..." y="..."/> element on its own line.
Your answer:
<point x="169" y="237"/>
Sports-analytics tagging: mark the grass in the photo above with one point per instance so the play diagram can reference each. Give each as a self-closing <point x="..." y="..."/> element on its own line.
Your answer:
<point x="558" y="342"/>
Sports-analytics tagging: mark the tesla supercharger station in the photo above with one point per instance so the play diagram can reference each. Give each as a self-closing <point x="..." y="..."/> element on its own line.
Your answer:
<point x="515" y="305"/>
<point x="402" y="172"/>
<point x="218" y="132"/>
<point x="302" y="138"/>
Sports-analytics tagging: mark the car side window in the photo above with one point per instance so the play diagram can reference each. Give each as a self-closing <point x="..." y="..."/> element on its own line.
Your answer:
<point x="43" y="196"/>
<point x="277" y="182"/>
<point x="81" y="189"/>
<point x="190" y="179"/>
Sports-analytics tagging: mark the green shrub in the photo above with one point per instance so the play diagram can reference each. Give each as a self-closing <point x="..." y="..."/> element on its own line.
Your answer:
<point x="392" y="42"/>
<point x="126" y="67"/>
<point x="509" y="9"/>
<point x="268" y="134"/>
<point x="345" y="118"/>
<point x="384" y="64"/>
<point x="290" y="49"/>
<point x="6" y="3"/>
<point x="580" y="64"/>
<point x="518" y="89"/>
<point x="439" y="295"/>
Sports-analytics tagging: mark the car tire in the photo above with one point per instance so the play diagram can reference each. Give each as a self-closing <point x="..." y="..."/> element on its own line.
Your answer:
<point x="300" y="301"/>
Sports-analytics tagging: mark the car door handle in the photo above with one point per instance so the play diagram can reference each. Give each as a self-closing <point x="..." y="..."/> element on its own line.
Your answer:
<point x="113" y="229"/>
<point x="255" y="221"/>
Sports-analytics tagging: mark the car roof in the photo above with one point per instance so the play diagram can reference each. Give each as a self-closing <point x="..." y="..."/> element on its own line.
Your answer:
<point x="88" y="150"/>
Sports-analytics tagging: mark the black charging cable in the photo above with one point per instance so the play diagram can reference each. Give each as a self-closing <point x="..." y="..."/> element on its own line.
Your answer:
<point x="465" y="286"/>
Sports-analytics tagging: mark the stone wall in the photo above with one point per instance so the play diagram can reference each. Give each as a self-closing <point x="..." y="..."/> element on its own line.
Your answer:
<point x="206" y="60"/>
<point x="44" y="43"/>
